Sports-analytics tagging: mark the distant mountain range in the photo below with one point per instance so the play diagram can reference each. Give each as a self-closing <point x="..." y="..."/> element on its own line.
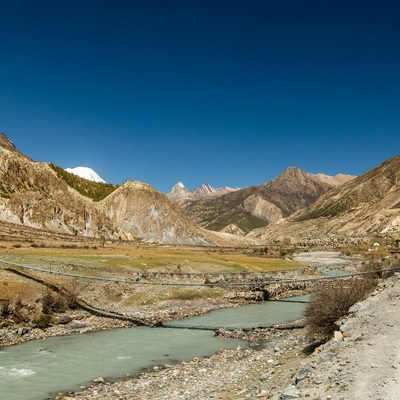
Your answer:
<point x="179" y="190"/>
<point x="240" y="211"/>
<point x="294" y="206"/>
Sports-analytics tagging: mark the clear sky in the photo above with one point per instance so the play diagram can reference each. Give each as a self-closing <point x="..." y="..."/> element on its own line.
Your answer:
<point x="225" y="92"/>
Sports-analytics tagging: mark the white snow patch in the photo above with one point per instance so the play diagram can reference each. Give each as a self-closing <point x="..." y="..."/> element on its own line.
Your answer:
<point x="86" y="173"/>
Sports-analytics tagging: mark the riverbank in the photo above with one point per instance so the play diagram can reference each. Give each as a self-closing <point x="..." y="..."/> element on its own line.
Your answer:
<point x="137" y="305"/>
<point x="78" y="321"/>
<point x="24" y="295"/>
<point x="362" y="361"/>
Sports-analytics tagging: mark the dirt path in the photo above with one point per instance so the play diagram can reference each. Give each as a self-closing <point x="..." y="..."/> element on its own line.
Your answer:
<point x="377" y="357"/>
<point x="362" y="364"/>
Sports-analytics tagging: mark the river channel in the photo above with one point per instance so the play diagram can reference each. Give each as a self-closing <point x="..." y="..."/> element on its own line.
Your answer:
<point x="38" y="369"/>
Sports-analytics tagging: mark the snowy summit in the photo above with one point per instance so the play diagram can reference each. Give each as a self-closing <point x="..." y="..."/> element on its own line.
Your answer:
<point x="87" y="173"/>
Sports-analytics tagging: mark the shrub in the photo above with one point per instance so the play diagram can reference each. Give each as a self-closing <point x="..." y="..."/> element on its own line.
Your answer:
<point x="331" y="304"/>
<point x="374" y="270"/>
<point x="43" y="321"/>
<point x="71" y="297"/>
<point x="18" y="303"/>
<point x="14" y="310"/>
<point x="5" y="308"/>
<point x="18" y="311"/>
<point x="52" y="302"/>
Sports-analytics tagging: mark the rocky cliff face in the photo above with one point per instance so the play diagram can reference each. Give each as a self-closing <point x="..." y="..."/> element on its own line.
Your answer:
<point x="261" y="208"/>
<point x="142" y="212"/>
<point x="32" y="195"/>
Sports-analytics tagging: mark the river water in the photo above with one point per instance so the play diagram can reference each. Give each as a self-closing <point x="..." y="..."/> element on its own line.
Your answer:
<point x="38" y="369"/>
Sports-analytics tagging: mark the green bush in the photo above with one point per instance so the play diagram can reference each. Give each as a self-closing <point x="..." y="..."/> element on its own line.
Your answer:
<point x="43" y="321"/>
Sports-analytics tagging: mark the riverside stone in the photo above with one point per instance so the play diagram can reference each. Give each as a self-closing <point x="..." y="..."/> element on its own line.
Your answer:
<point x="301" y="373"/>
<point x="290" y="393"/>
<point x="338" y="336"/>
<point x="22" y="331"/>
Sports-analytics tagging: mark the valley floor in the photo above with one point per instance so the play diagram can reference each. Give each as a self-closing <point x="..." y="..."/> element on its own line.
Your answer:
<point x="362" y="362"/>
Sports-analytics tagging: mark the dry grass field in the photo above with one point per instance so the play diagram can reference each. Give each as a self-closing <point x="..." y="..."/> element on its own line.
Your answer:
<point x="121" y="261"/>
<point x="122" y="258"/>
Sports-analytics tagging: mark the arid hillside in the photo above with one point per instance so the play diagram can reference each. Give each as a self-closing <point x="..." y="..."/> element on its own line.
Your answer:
<point x="241" y="211"/>
<point x="45" y="197"/>
<point x="294" y="206"/>
<point x="366" y="205"/>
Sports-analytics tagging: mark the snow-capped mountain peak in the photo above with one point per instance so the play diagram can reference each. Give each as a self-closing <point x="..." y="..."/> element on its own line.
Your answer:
<point x="205" y="188"/>
<point x="86" y="173"/>
<point x="179" y="190"/>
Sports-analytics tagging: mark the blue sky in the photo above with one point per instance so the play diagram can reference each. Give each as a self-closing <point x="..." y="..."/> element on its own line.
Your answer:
<point x="225" y="92"/>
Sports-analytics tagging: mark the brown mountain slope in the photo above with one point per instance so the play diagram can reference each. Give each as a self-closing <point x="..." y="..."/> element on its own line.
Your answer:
<point x="36" y="195"/>
<point x="6" y="143"/>
<point x="31" y="194"/>
<point x="243" y="210"/>
<point x="142" y="212"/>
<point x="368" y="204"/>
<point x="375" y="190"/>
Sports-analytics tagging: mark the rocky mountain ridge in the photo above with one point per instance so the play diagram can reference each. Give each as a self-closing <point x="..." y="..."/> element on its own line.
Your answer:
<point x="180" y="191"/>
<point x="242" y="210"/>
<point x="295" y="205"/>
<point x="368" y="204"/>
<point x="32" y="194"/>
<point x="6" y="143"/>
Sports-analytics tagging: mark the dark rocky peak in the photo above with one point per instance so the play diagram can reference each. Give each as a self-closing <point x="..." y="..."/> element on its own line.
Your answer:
<point x="291" y="179"/>
<point x="298" y="188"/>
<point x="7" y="144"/>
